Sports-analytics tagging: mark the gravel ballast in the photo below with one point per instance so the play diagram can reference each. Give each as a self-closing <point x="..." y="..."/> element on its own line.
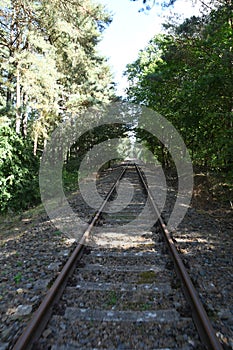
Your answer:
<point x="33" y="252"/>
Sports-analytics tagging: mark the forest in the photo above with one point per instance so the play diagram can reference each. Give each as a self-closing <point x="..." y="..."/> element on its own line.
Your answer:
<point x="50" y="69"/>
<point x="186" y="75"/>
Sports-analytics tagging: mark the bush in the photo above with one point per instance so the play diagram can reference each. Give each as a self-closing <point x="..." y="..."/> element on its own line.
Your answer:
<point x="18" y="171"/>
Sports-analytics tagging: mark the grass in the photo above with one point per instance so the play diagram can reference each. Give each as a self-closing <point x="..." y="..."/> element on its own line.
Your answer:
<point x="137" y="306"/>
<point x="18" y="277"/>
<point x="147" y="277"/>
<point x="112" y="298"/>
<point x="57" y="233"/>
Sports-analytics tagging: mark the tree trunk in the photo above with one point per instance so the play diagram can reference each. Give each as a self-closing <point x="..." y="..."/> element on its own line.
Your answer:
<point x="25" y="115"/>
<point x="8" y="95"/>
<point x="35" y="144"/>
<point x="18" y="103"/>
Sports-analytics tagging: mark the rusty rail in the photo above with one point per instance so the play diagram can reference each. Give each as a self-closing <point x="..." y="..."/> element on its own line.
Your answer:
<point x="200" y="318"/>
<point x="41" y="316"/>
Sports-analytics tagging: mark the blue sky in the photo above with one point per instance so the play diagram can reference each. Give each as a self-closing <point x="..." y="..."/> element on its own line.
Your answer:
<point x="130" y="32"/>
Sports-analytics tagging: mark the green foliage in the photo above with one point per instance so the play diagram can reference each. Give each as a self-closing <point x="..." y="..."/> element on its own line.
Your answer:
<point x="112" y="298"/>
<point x="147" y="5"/>
<point x="70" y="178"/>
<point x="18" y="277"/>
<point x="90" y="139"/>
<point x="71" y="172"/>
<point x="186" y="75"/>
<point x="49" y="70"/>
<point x="49" y="62"/>
<point x="18" y="171"/>
<point x="57" y="233"/>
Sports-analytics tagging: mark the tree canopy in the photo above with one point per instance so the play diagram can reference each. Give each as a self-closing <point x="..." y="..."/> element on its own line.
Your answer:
<point x="49" y="62"/>
<point x="148" y="4"/>
<point x="49" y="70"/>
<point x="186" y="75"/>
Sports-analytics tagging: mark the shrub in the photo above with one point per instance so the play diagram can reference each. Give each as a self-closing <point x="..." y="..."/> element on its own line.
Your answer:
<point x="18" y="171"/>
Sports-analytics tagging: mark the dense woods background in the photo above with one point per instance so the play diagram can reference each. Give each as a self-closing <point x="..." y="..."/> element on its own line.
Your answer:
<point x="187" y="76"/>
<point x="49" y="68"/>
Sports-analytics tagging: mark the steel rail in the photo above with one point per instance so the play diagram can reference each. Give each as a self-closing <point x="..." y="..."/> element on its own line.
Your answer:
<point x="41" y="316"/>
<point x="200" y="318"/>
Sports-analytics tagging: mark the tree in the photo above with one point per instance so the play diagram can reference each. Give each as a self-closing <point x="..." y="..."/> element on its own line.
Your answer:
<point x="148" y="4"/>
<point x="49" y="71"/>
<point x="18" y="171"/>
<point x="186" y="75"/>
<point x="49" y="62"/>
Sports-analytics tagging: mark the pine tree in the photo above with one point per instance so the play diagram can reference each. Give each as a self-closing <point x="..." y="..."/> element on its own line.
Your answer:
<point x="49" y="64"/>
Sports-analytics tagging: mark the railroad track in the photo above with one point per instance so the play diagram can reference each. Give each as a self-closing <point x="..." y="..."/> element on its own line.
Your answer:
<point x="122" y="289"/>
